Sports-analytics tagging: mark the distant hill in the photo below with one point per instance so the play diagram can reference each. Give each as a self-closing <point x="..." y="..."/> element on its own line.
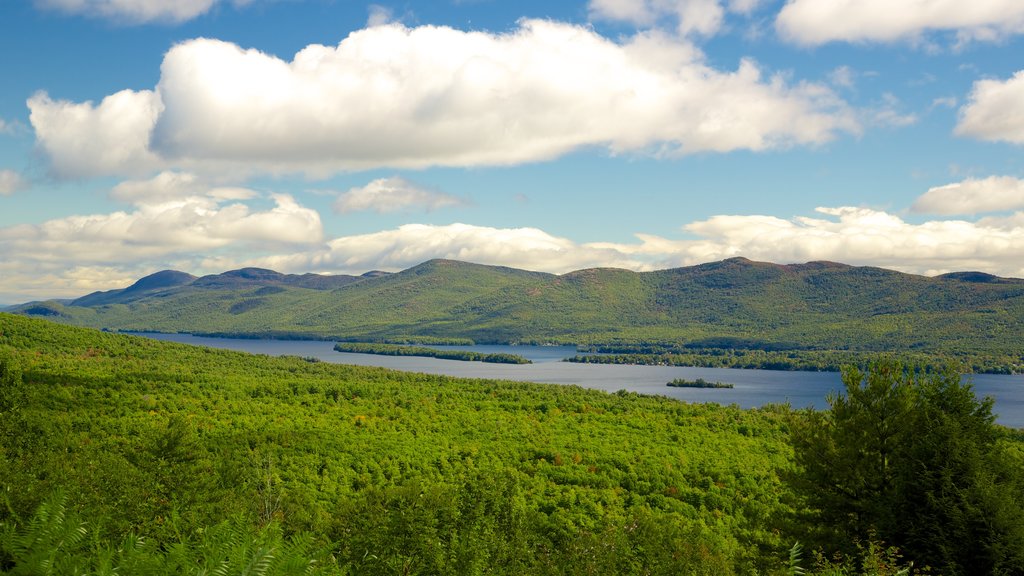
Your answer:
<point x="731" y="303"/>
<point x="145" y="286"/>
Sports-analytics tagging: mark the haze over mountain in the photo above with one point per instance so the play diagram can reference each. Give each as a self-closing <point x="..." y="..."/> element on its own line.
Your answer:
<point x="817" y="305"/>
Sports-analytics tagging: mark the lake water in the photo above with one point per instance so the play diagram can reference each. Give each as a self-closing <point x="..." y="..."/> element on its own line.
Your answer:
<point x="752" y="388"/>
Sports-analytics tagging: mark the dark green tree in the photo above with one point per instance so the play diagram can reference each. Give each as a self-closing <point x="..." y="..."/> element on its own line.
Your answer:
<point x="914" y="459"/>
<point x="11" y="386"/>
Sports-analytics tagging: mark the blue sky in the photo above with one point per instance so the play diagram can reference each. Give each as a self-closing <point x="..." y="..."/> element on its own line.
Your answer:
<point x="340" y="137"/>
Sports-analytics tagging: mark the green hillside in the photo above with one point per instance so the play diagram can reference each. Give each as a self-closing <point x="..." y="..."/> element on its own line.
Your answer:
<point x="728" y="304"/>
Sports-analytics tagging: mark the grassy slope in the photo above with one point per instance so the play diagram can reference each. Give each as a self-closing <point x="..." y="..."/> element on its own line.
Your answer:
<point x="386" y="467"/>
<point x="817" y="305"/>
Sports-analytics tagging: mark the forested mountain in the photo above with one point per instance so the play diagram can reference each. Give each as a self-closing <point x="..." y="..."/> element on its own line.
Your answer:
<point x="732" y="303"/>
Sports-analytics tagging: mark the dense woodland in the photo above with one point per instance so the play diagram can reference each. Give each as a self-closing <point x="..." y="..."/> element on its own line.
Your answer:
<point x="805" y="360"/>
<point x="125" y="455"/>
<point x="814" y="315"/>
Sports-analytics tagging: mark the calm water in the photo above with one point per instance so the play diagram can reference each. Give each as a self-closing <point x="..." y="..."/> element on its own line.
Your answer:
<point x="752" y="387"/>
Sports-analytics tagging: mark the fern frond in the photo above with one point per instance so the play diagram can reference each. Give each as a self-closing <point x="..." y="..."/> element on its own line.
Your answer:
<point x="795" y="556"/>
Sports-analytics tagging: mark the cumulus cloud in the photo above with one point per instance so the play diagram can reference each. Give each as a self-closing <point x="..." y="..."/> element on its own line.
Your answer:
<point x="865" y="237"/>
<point x="858" y="236"/>
<point x="134" y="11"/>
<point x="813" y="22"/>
<point x="11" y="182"/>
<point x="178" y="230"/>
<point x="393" y="194"/>
<point x="973" y="196"/>
<point x="391" y="96"/>
<point x="83" y="139"/>
<point x="411" y="244"/>
<point x="158" y="229"/>
<point x="995" y="111"/>
<point x="104" y="252"/>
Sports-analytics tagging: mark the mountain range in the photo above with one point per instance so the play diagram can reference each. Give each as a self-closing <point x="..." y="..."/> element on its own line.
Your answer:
<point x="731" y="303"/>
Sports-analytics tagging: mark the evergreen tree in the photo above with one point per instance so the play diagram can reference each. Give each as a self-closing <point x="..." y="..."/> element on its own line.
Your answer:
<point x="914" y="459"/>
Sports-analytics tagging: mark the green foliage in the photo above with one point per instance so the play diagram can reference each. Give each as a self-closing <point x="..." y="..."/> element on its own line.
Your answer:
<point x="781" y="317"/>
<point x="873" y="559"/>
<point x="401" y="350"/>
<point x="187" y="460"/>
<point x="45" y="546"/>
<point x="795" y="556"/>
<point x="387" y="471"/>
<point x="915" y="458"/>
<point x="11" y="386"/>
<point x="55" y="542"/>
<point x="803" y="360"/>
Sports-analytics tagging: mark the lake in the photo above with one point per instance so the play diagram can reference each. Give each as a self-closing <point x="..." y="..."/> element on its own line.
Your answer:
<point x="752" y="388"/>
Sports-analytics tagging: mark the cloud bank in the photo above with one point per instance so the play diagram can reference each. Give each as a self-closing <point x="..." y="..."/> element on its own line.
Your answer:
<point x="858" y="236"/>
<point x="76" y="255"/>
<point x="815" y="22"/>
<point x="398" y="97"/>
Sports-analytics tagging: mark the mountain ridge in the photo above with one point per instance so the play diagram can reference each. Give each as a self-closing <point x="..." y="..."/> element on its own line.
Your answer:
<point x="813" y="305"/>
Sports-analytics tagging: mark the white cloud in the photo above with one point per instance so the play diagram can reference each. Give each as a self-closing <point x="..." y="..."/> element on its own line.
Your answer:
<point x="87" y="140"/>
<point x="704" y="17"/>
<point x="393" y="194"/>
<point x="411" y="244"/>
<point x="814" y="22"/>
<point x="157" y="229"/>
<point x="179" y="230"/>
<point x="862" y="236"/>
<point x="169" y="185"/>
<point x="61" y="258"/>
<point x="857" y="236"/>
<point x="972" y="196"/>
<point x="133" y="11"/>
<point x="6" y="127"/>
<point x="995" y="111"/>
<point x="11" y="182"/>
<point x="391" y="96"/>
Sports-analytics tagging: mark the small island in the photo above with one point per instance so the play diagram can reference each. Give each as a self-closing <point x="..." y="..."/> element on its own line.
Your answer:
<point x="698" y="383"/>
<point x="402" y="350"/>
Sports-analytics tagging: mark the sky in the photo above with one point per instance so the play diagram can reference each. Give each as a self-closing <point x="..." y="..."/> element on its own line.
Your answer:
<point x="335" y="136"/>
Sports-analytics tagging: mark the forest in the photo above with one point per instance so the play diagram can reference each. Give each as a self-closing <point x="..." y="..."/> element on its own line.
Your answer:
<point x="788" y="360"/>
<point x="120" y="454"/>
